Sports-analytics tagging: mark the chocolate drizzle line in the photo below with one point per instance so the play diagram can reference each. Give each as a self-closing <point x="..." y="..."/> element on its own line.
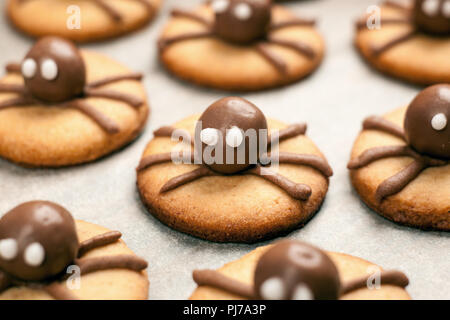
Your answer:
<point x="311" y="160"/>
<point x="291" y="131"/>
<point x="186" y="178"/>
<point x="98" y="241"/>
<point x="130" y="262"/>
<point x="379" y="123"/>
<point x="261" y="47"/>
<point x="13" y="68"/>
<point x="103" y="121"/>
<point x="162" y="158"/>
<point x="59" y="292"/>
<point x="112" y="79"/>
<point x="390" y="277"/>
<point x="376" y="51"/>
<point x="114" y="95"/>
<point x="395" y="5"/>
<point x="362" y="24"/>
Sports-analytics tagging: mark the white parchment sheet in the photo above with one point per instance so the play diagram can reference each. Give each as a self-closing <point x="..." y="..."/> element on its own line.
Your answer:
<point x="333" y="102"/>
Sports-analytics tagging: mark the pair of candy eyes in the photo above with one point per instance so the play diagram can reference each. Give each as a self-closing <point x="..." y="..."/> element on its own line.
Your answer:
<point x="33" y="256"/>
<point x="431" y="7"/>
<point x="48" y="69"/>
<point x="234" y="137"/>
<point x="241" y="11"/>
<point x="274" y="289"/>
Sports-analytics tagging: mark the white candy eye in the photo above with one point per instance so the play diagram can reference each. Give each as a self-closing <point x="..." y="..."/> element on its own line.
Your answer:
<point x="234" y="137"/>
<point x="272" y="289"/>
<point x="242" y="11"/>
<point x="431" y="7"/>
<point x="34" y="254"/>
<point x="29" y="68"/>
<point x="439" y="122"/>
<point x="220" y="6"/>
<point x="8" y="249"/>
<point x="49" y="69"/>
<point x="209" y="136"/>
<point x="446" y="9"/>
<point x="302" y="292"/>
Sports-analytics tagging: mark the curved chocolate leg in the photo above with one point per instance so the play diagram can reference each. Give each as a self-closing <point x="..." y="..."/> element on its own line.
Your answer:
<point x="12" y="88"/>
<point x="114" y="95"/>
<point x="291" y="131"/>
<point x="393" y="277"/>
<point x="376" y="51"/>
<point x="115" y="15"/>
<point x="5" y="281"/>
<point x="271" y="57"/>
<point x="103" y="121"/>
<point x="98" y="241"/>
<point x="310" y="160"/>
<point x="379" y="123"/>
<point x="399" y="181"/>
<point x="164" y="43"/>
<point x="130" y="262"/>
<point x="186" y="178"/>
<point x="58" y="291"/>
<point x="13" y="68"/>
<point x="396" y="5"/>
<point x="168" y="131"/>
<point x="298" y="46"/>
<point x="191" y="15"/>
<point x="161" y="158"/>
<point x="373" y="154"/>
<point x="292" y="23"/>
<point x="298" y="191"/>
<point x="112" y="79"/>
<point x="15" y="102"/>
<point x="215" y="279"/>
<point x="361" y="24"/>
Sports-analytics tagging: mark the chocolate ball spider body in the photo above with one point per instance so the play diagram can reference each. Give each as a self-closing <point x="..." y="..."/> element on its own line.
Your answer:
<point x="432" y="16"/>
<point x="427" y="127"/>
<point x="238" y="128"/>
<point x="293" y="270"/>
<point x="241" y="21"/>
<point x="54" y="70"/>
<point x="38" y="241"/>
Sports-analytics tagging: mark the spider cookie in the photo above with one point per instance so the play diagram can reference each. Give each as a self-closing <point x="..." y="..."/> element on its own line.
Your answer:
<point x="240" y="45"/>
<point x="61" y="106"/>
<point x="235" y="176"/>
<point x="412" y="43"/>
<point x="294" y="270"/>
<point x="81" y="20"/>
<point x="400" y="163"/>
<point x="46" y="254"/>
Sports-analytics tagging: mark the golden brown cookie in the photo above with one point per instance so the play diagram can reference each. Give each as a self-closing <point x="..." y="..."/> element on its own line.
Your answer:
<point x="408" y="44"/>
<point x="55" y="248"/>
<point x="97" y="20"/>
<point x="293" y="270"/>
<point x="400" y="162"/>
<point x="233" y="202"/>
<point x="60" y="109"/>
<point x="240" y="45"/>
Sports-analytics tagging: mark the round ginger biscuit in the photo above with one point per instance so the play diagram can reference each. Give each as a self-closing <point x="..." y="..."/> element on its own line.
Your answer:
<point x="213" y="62"/>
<point x="55" y="136"/>
<point x="59" y="17"/>
<point x="349" y="268"/>
<point x="421" y="59"/>
<point x="231" y="208"/>
<point x="423" y="203"/>
<point x="117" y="284"/>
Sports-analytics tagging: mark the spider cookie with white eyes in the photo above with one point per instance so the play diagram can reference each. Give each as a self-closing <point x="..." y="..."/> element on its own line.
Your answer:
<point x="62" y="106"/>
<point x="411" y="42"/>
<point x="240" y="45"/>
<point x="81" y="20"/>
<point x="235" y="176"/>
<point x="46" y="254"/>
<point x="294" y="270"/>
<point x="400" y="163"/>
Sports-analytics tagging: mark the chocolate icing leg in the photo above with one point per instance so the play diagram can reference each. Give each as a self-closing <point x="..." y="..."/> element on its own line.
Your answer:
<point x="186" y="178"/>
<point x="167" y="131"/>
<point x="103" y="121"/>
<point x="164" y="43"/>
<point x="292" y="23"/>
<point x="289" y="132"/>
<point x="14" y="102"/>
<point x="395" y="4"/>
<point x="271" y="57"/>
<point x="115" y="15"/>
<point x="361" y="24"/>
<point x="90" y="265"/>
<point x="5" y="282"/>
<point x="112" y="79"/>
<point x="298" y="46"/>
<point x="190" y="15"/>
<point x="58" y="291"/>
<point x="12" y="87"/>
<point x="377" y="153"/>
<point x="393" y="277"/>
<point x="397" y="182"/>
<point x="13" y="68"/>
<point x="296" y="190"/>
<point x="98" y="241"/>
<point x="114" y="95"/>
<point x="311" y="160"/>
<point x="215" y="279"/>
<point x="161" y="158"/>
<point x="379" y="123"/>
<point x="376" y="51"/>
